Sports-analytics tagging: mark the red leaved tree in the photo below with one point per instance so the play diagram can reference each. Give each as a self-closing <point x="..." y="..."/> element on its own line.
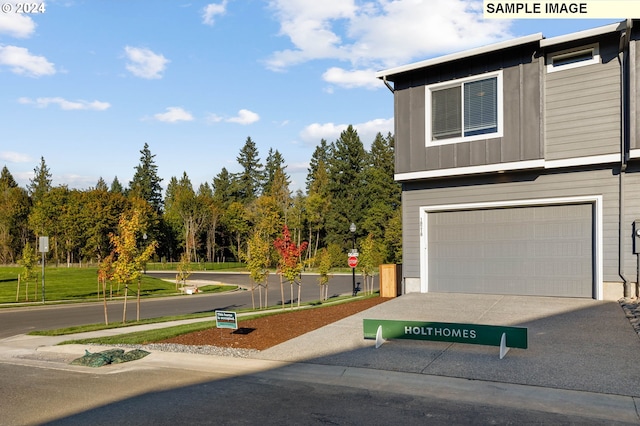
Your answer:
<point x="290" y="263"/>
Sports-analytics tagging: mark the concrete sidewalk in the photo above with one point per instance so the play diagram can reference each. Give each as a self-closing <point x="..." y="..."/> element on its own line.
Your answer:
<point x="581" y="356"/>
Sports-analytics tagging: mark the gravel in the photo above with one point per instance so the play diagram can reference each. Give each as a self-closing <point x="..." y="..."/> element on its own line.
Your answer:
<point x="631" y="309"/>
<point x="191" y="349"/>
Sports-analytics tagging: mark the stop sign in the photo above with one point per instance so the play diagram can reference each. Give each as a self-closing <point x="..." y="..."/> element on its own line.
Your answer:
<point x="353" y="261"/>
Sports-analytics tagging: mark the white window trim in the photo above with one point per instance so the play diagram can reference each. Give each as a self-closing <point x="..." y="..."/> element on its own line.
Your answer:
<point x="596" y="200"/>
<point x="593" y="48"/>
<point x="458" y="82"/>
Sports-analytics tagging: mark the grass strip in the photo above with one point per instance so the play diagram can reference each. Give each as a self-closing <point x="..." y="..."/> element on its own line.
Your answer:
<point x="150" y="336"/>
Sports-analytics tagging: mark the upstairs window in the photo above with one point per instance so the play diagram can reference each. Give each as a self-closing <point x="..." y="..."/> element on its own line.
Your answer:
<point x="464" y="110"/>
<point x="574" y="58"/>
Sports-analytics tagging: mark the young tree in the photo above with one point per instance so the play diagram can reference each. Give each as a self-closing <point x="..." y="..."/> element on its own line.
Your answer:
<point x="105" y="273"/>
<point x="258" y="259"/>
<point x="28" y="262"/>
<point x="183" y="271"/>
<point x="289" y="265"/>
<point x="369" y="260"/>
<point x="129" y="257"/>
<point x="324" y="266"/>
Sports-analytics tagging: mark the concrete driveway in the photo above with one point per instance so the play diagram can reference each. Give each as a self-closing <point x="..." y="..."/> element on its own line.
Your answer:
<point x="574" y="344"/>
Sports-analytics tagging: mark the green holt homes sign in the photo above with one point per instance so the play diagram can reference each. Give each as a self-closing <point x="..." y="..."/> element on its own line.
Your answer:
<point x="476" y="334"/>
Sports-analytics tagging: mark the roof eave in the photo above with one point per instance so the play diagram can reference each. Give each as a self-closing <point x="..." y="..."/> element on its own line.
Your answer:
<point x="460" y="55"/>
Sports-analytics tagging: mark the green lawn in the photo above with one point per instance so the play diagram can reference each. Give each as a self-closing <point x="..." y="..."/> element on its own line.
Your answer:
<point x="73" y="284"/>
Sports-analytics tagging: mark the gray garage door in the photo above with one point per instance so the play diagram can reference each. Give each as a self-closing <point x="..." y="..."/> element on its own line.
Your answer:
<point x="538" y="250"/>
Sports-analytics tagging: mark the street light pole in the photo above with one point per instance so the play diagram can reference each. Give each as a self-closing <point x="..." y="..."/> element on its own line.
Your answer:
<point x="352" y="229"/>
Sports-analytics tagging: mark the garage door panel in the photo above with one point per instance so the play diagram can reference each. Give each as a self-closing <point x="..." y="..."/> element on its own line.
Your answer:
<point x="535" y="250"/>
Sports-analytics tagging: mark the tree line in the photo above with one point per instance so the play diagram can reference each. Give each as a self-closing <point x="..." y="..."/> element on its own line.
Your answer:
<point x="218" y="221"/>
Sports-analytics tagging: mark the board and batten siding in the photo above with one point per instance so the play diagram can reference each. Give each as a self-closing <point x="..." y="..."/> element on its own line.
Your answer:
<point x="521" y="139"/>
<point x="582" y="111"/>
<point x="527" y="186"/>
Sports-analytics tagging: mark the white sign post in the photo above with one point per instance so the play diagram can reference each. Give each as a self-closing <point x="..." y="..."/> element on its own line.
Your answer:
<point x="43" y="248"/>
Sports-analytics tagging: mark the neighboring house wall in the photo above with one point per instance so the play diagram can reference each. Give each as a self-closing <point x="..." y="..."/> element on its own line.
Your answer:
<point x="582" y="108"/>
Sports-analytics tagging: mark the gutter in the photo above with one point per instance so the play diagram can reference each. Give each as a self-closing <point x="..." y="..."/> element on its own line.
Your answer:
<point x="624" y="122"/>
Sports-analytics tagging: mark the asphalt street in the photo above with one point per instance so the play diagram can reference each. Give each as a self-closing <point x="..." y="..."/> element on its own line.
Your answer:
<point x="577" y="369"/>
<point x="31" y="395"/>
<point x="15" y="321"/>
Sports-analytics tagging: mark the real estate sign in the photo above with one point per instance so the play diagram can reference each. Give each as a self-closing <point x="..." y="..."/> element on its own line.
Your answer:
<point x="226" y="319"/>
<point x="476" y="334"/>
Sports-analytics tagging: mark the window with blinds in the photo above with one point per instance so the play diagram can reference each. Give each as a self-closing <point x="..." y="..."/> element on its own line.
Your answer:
<point x="463" y="110"/>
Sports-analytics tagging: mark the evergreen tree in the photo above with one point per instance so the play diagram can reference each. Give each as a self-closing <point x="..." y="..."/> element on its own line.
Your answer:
<point x="275" y="164"/>
<point x="14" y="210"/>
<point x="116" y="186"/>
<point x="346" y="164"/>
<point x="381" y="193"/>
<point x="248" y="182"/>
<point x="6" y="179"/>
<point x="44" y="212"/>
<point x="146" y="182"/>
<point x="319" y="161"/>
<point x="223" y="188"/>
<point x="101" y="185"/>
<point x="41" y="182"/>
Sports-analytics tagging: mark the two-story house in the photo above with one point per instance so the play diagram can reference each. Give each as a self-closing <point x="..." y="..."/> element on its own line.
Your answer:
<point x="520" y="166"/>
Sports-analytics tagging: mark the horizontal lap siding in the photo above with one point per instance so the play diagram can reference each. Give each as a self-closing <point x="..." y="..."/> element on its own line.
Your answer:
<point x="582" y="111"/>
<point x="527" y="186"/>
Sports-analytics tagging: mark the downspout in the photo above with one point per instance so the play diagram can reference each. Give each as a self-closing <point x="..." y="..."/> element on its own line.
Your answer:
<point x="624" y="50"/>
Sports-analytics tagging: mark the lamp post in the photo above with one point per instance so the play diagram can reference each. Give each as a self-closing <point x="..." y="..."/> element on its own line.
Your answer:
<point x="144" y="267"/>
<point x="352" y="229"/>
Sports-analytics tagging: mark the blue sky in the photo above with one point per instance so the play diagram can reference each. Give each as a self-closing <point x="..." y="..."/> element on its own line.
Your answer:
<point x="88" y="82"/>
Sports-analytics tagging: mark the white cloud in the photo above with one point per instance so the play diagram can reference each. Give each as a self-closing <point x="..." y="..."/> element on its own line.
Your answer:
<point x="144" y="63"/>
<point x="244" y="117"/>
<point x="14" y="157"/>
<point x="330" y="132"/>
<point x="212" y="10"/>
<point x="173" y="115"/>
<point x="66" y="104"/>
<point x="352" y="79"/>
<point x="379" y="34"/>
<point x="18" y="25"/>
<point x="22" y="62"/>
